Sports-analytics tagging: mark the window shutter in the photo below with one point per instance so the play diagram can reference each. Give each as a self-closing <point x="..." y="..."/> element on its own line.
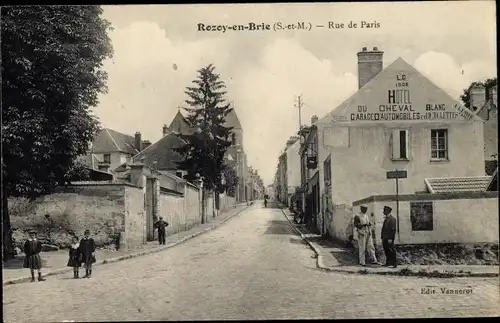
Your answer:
<point x="403" y="144"/>
<point x="407" y="143"/>
<point x="395" y="144"/>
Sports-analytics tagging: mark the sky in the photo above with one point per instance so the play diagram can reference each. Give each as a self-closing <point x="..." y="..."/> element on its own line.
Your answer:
<point x="158" y="49"/>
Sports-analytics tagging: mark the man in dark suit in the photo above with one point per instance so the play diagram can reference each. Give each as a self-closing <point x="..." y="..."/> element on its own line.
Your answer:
<point x="388" y="235"/>
<point x="87" y="248"/>
<point x="161" y="225"/>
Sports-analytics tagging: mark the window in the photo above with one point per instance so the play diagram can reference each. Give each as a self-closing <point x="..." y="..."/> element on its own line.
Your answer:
<point x="439" y="144"/>
<point x="233" y="139"/>
<point x="107" y="158"/>
<point x="400" y="144"/>
<point x="421" y="216"/>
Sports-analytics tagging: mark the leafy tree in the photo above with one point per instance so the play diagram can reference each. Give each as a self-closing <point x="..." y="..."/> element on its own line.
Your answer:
<point x="204" y="152"/>
<point x="231" y="180"/>
<point x="51" y="78"/>
<point x="488" y="84"/>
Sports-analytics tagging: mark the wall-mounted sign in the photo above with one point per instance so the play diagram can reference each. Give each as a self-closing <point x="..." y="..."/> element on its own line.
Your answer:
<point x="398" y="94"/>
<point x="312" y="162"/>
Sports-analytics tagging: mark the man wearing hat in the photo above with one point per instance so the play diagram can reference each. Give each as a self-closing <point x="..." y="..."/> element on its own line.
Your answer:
<point x="87" y="248"/>
<point x="388" y="234"/>
<point x="161" y="225"/>
<point x="365" y="240"/>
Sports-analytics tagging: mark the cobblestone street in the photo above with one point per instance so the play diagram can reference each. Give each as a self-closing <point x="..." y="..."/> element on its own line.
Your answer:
<point x="252" y="267"/>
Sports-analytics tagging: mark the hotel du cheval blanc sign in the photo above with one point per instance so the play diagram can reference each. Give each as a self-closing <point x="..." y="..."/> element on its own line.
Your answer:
<point x="401" y="94"/>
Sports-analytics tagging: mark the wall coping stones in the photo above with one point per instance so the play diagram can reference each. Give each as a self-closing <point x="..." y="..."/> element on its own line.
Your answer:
<point x="428" y="197"/>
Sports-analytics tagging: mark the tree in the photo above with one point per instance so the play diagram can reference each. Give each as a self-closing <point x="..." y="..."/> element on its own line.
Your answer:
<point x="488" y="84"/>
<point x="52" y="77"/>
<point x="231" y="180"/>
<point x="204" y="150"/>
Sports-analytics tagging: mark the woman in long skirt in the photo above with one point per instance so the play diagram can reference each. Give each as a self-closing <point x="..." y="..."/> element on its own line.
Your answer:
<point x="32" y="260"/>
<point x="75" y="257"/>
<point x="87" y="248"/>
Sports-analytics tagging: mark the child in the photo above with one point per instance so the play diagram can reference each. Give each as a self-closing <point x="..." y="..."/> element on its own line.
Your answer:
<point x="87" y="249"/>
<point x="32" y="260"/>
<point x="75" y="257"/>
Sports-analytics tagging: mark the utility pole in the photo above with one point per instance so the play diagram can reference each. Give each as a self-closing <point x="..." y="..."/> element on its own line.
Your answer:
<point x="299" y="105"/>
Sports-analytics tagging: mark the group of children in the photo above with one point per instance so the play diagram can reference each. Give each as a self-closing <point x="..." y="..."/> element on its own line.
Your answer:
<point x="80" y="253"/>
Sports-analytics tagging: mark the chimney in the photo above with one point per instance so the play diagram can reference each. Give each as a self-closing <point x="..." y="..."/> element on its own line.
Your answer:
<point x="370" y="63"/>
<point x="138" y="141"/>
<point x="165" y="129"/>
<point x="103" y="167"/>
<point x="477" y="97"/>
<point x="145" y="144"/>
<point x="314" y="118"/>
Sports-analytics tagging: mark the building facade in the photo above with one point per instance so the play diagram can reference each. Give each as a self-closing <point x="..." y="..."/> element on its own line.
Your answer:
<point x="110" y="148"/>
<point x="397" y="120"/>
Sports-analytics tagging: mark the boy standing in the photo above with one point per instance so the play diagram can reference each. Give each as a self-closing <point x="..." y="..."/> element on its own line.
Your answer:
<point x="87" y="249"/>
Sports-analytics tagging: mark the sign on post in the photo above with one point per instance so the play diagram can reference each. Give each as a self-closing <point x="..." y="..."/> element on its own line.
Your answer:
<point x="397" y="174"/>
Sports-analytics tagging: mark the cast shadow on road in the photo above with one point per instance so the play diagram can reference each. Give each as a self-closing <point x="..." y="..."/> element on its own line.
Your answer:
<point x="298" y="240"/>
<point x="273" y="205"/>
<point x="346" y="257"/>
<point x="279" y="227"/>
<point x="17" y="263"/>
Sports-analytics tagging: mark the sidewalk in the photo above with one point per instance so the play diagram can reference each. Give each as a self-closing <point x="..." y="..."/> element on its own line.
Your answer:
<point x="55" y="261"/>
<point x="333" y="258"/>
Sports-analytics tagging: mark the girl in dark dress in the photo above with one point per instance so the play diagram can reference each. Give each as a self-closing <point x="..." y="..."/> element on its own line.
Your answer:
<point x="75" y="257"/>
<point x="32" y="260"/>
<point x="87" y="248"/>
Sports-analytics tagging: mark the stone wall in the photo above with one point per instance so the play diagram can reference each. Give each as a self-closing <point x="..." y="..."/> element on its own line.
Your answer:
<point x="110" y="209"/>
<point x="135" y="224"/>
<point x="226" y="202"/>
<point x="172" y="211"/>
<point x="192" y="207"/>
<point x="101" y="208"/>
<point x="456" y="218"/>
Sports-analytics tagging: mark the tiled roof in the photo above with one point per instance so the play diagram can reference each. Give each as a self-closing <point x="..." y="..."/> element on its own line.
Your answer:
<point x="109" y="140"/>
<point x="180" y="124"/>
<point x="457" y="184"/>
<point x="232" y="120"/>
<point x="485" y="111"/>
<point x="162" y="152"/>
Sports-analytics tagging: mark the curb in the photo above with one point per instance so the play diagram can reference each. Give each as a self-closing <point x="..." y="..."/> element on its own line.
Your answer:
<point x="320" y="265"/>
<point x="125" y="257"/>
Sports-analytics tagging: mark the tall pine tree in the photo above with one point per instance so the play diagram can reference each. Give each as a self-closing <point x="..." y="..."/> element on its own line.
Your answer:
<point x="206" y="147"/>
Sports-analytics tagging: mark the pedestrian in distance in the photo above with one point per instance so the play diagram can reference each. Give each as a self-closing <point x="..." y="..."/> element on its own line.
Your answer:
<point x="365" y="240"/>
<point x="87" y="249"/>
<point x="75" y="257"/>
<point x="388" y="234"/>
<point x="161" y="225"/>
<point x="32" y="259"/>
